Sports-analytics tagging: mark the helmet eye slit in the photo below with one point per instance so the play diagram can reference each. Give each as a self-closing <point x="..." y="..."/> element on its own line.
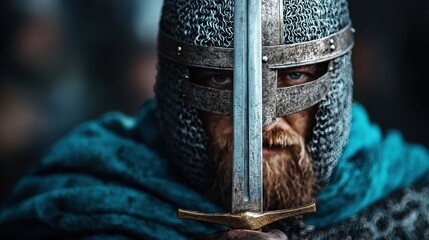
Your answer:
<point x="220" y="79"/>
<point x="223" y="79"/>
<point x="298" y="75"/>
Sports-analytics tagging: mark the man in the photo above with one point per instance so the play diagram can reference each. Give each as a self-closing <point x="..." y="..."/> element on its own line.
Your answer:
<point x="122" y="177"/>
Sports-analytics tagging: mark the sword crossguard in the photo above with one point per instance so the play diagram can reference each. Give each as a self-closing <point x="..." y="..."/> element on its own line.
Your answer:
<point x="246" y="220"/>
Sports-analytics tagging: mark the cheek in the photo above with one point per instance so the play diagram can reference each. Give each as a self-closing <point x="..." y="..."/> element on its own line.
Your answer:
<point x="303" y="122"/>
<point x="216" y="126"/>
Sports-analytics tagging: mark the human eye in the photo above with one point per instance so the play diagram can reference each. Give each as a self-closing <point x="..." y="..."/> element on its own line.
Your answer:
<point x="299" y="75"/>
<point x="296" y="76"/>
<point x="290" y="78"/>
<point x="221" y="79"/>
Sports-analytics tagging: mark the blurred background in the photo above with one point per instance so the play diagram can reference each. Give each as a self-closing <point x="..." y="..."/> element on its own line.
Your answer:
<point x="63" y="62"/>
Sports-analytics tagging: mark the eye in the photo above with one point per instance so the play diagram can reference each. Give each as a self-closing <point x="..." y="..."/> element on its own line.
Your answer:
<point x="290" y="78"/>
<point x="302" y="74"/>
<point x="221" y="79"/>
<point x="295" y="75"/>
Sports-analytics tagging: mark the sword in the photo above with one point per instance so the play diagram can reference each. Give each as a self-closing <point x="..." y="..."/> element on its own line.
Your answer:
<point x="247" y="176"/>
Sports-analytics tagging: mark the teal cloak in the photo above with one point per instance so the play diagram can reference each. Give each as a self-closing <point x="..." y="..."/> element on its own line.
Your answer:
<point x="111" y="179"/>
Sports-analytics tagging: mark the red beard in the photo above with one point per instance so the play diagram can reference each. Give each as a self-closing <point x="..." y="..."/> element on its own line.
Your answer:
<point x="289" y="178"/>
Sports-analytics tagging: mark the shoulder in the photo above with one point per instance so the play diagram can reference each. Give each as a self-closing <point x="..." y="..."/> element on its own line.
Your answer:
<point x="403" y="214"/>
<point x="102" y="176"/>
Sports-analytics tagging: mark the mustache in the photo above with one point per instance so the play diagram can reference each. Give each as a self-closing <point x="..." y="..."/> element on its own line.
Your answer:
<point x="275" y="138"/>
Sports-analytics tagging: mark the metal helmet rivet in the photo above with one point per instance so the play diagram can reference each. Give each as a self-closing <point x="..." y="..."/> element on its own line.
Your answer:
<point x="264" y="59"/>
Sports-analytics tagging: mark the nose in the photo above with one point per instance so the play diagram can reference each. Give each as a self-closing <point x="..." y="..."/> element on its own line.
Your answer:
<point x="271" y="126"/>
<point x="281" y="123"/>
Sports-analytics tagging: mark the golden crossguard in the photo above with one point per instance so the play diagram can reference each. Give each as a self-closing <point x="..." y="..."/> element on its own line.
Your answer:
<point x="246" y="220"/>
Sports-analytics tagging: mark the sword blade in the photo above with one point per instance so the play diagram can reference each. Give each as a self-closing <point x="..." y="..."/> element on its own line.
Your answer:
<point x="247" y="192"/>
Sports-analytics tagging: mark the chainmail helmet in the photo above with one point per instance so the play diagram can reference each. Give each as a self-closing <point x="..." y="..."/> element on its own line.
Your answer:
<point x="295" y="32"/>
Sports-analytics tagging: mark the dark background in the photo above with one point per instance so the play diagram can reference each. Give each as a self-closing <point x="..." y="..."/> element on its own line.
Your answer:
<point x="390" y="61"/>
<point x="63" y="62"/>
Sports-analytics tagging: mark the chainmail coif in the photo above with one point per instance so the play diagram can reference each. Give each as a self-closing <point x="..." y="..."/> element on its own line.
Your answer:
<point x="210" y="23"/>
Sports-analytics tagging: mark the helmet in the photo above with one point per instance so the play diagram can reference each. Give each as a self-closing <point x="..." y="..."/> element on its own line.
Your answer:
<point x="295" y="32"/>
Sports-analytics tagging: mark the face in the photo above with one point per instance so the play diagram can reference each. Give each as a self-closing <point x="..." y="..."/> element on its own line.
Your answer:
<point x="288" y="171"/>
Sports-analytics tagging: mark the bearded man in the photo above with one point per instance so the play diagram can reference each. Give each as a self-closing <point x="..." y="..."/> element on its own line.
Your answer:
<point x="125" y="177"/>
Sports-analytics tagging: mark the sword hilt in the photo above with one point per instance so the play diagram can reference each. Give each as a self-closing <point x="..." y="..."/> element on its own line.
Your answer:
<point x="246" y="220"/>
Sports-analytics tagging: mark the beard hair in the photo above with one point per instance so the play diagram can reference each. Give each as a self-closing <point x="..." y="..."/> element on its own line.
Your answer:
<point x="288" y="176"/>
